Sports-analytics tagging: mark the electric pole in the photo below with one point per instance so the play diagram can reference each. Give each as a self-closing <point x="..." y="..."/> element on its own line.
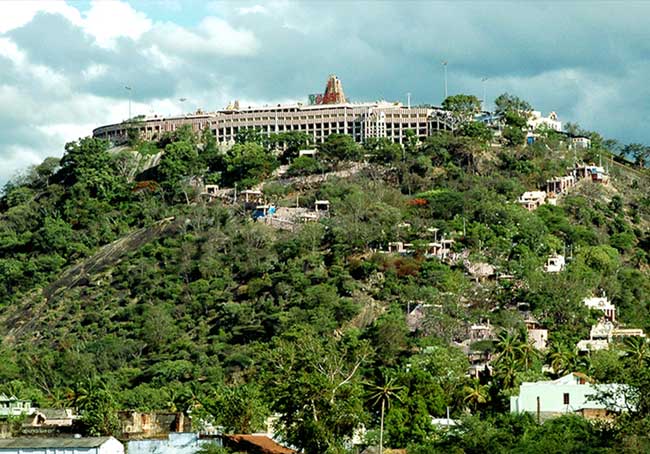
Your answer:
<point x="484" y="93"/>
<point x="129" y="89"/>
<point x="182" y="100"/>
<point x="444" y="65"/>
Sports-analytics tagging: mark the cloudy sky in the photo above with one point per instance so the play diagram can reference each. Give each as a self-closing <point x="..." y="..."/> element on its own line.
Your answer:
<point x="64" y="66"/>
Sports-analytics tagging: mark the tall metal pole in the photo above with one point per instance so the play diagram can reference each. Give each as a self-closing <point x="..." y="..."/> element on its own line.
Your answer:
<point x="484" y="93"/>
<point x="444" y="65"/>
<point x="182" y="100"/>
<point x="129" y="89"/>
<point x="408" y="100"/>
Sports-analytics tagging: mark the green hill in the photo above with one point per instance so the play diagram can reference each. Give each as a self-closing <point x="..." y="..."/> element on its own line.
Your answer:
<point x="131" y="290"/>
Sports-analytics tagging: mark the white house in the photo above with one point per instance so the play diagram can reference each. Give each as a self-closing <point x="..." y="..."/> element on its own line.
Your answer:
<point x="536" y="120"/>
<point x="176" y="442"/>
<point x="555" y="264"/>
<point x="602" y="304"/>
<point x="603" y="333"/>
<point x="532" y="200"/>
<point x="309" y="153"/>
<point x="560" y="185"/>
<point x="12" y="406"/>
<point x="538" y="337"/>
<point x="580" y="142"/>
<point x="85" y="445"/>
<point x="573" y="393"/>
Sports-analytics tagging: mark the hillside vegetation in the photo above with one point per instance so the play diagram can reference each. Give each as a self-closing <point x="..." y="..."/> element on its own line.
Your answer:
<point x="124" y="289"/>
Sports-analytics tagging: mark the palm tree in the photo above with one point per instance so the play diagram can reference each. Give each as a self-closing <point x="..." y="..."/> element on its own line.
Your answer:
<point x="61" y="398"/>
<point x="507" y="373"/>
<point x="560" y="359"/>
<point x="636" y="348"/>
<point x="507" y="345"/>
<point x="526" y="354"/>
<point x="475" y="394"/>
<point x="381" y="395"/>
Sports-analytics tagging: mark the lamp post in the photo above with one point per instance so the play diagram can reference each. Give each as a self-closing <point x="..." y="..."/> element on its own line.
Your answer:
<point x="129" y="89"/>
<point x="484" y="93"/>
<point x="444" y="65"/>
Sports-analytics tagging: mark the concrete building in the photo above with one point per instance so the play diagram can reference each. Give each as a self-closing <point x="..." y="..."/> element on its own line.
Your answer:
<point x="481" y="331"/>
<point x="172" y="443"/>
<point x="135" y="424"/>
<point x="536" y="121"/>
<point x="592" y="345"/>
<point x="51" y="417"/>
<point x="311" y="153"/>
<point x="322" y="206"/>
<point x="537" y="335"/>
<point x="532" y="200"/>
<point x="580" y="142"/>
<point x="560" y="185"/>
<point x="604" y="333"/>
<point x="330" y="114"/>
<point x="554" y="264"/>
<point x="12" y="406"/>
<point x="602" y="304"/>
<point x="593" y="172"/>
<point x="85" y="445"/>
<point x="573" y="393"/>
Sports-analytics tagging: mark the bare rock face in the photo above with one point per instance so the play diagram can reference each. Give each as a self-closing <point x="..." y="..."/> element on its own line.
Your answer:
<point x="479" y="270"/>
<point x="23" y="318"/>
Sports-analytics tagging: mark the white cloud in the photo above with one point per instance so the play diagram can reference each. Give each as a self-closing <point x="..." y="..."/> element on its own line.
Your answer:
<point x="94" y="71"/>
<point x="8" y="49"/>
<point x="16" y="13"/>
<point x="160" y="59"/>
<point x="256" y="9"/>
<point x="45" y="76"/>
<point x="226" y="39"/>
<point x="15" y="159"/>
<point x="65" y="132"/>
<point x="213" y="36"/>
<point x="108" y="20"/>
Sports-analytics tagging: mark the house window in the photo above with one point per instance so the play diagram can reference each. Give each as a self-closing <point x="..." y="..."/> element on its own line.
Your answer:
<point x="566" y="398"/>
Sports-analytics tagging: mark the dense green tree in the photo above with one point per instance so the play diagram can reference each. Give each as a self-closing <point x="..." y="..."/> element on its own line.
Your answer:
<point x="638" y="151"/>
<point x="178" y="167"/>
<point x="340" y="147"/>
<point x="290" y="143"/>
<point x="476" y="394"/>
<point x="463" y="106"/>
<point x="476" y="130"/>
<point x="315" y="384"/>
<point x="86" y="165"/>
<point x="98" y="409"/>
<point x="238" y="409"/>
<point x="250" y="135"/>
<point x="383" y="150"/>
<point x="304" y="165"/>
<point x="232" y="320"/>
<point x="509" y="103"/>
<point x="247" y="164"/>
